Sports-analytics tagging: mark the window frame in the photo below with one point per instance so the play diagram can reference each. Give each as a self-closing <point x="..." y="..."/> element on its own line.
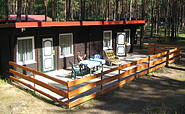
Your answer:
<point x="26" y="62"/>
<point x="128" y="39"/>
<point x="72" y="53"/>
<point x="109" y="47"/>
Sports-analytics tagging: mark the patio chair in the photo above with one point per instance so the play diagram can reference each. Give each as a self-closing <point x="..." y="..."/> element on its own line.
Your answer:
<point x="76" y="69"/>
<point x="97" y="56"/>
<point x="111" y="58"/>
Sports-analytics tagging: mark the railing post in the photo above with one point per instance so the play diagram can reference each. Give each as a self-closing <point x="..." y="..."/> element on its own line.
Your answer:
<point x="180" y="52"/>
<point x="68" y="90"/>
<point x="119" y="72"/>
<point x="34" y="78"/>
<point x="155" y="48"/>
<point x="101" y="84"/>
<point x="148" y="71"/>
<point x="167" y="58"/>
<point x="149" y="48"/>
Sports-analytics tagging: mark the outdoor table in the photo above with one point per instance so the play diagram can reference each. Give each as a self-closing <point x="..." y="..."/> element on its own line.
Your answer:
<point x="92" y="63"/>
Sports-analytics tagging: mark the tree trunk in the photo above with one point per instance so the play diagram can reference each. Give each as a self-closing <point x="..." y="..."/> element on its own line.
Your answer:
<point x="46" y="9"/>
<point x="82" y="4"/>
<point x="152" y="18"/>
<point x="118" y="9"/>
<point x="126" y="12"/>
<point x="174" y="14"/>
<point x="68" y="10"/>
<point x="19" y="7"/>
<point x="6" y="10"/>
<point x="26" y="9"/>
<point x="54" y="10"/>
<point x="130" y="10"/>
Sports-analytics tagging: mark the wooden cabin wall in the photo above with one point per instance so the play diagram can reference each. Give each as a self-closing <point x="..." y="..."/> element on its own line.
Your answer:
<point x="5" y="55"/>
<point x="81" y="41"/>
<point x="96" y="40"/>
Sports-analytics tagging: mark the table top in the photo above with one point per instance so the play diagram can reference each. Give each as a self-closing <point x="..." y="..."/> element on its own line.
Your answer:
<point x="92" y="62"/>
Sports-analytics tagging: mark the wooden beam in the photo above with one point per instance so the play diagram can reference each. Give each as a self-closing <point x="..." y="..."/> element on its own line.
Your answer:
<point x="38" y="73"/>
<point x="38" y="82"/>
<point x="47" y="95"/>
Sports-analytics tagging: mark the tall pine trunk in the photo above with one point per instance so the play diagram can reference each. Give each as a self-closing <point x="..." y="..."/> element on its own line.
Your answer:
<point x="19" y="7"/>
<point x="46" y="9"/>
<point x="6" y="10"/>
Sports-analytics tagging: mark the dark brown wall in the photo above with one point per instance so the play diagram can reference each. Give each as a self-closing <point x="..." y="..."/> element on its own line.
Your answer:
<point x="87" y="40"/>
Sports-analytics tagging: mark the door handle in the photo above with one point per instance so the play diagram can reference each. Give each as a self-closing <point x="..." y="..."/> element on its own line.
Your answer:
<point x="53" y="52"/>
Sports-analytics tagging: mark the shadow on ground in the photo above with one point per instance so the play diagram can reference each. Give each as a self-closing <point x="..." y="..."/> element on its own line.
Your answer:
<point x="147" y="94"/>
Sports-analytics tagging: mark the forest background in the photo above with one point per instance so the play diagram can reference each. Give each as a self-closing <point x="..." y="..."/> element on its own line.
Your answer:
<point x="168" y="13"/>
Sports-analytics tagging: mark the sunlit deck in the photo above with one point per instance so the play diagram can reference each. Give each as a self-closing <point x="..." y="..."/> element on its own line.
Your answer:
<point x="65" y="74"/>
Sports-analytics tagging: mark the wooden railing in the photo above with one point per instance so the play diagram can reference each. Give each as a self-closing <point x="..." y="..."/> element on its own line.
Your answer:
<point x="38" y="82"/>
<point x="84" y="89"/>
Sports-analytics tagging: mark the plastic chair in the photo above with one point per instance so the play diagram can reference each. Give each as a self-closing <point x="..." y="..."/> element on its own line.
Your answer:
<point x="76" y="69"/>
<point x="97" y="56"/>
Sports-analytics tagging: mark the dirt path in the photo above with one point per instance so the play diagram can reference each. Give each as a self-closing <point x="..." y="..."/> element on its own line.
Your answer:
<point x="162" y="91"/>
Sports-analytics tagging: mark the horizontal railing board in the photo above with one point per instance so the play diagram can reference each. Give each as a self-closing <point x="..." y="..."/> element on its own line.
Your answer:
<point x="158" y="55"/>
<point x="174" y="54"/>
<point x="157" y="49"/>
<point x="175" y="59"/>
<point x="173" y="50"/>
<point x="163" y="45"/>
<point x="38" y="82"/>
<point x="31" y="87"/>
<point x="143" y="60"/>
<point x="157" y="61"/>
<point x="38" y="73"/>
<point x="157" y="67"/>
<point x="82" y="80"/>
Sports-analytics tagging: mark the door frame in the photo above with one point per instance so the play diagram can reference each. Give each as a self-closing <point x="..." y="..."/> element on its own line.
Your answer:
<point x="53" y="54"/>
<point x="123" y="44"/>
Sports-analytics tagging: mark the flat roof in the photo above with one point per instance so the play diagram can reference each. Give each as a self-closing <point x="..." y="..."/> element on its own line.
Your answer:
<point x="68" y="23"/>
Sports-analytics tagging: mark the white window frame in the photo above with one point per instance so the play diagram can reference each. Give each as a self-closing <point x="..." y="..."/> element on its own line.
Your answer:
<point x="129" y="40"/>
<point x="109" y="47"/>
<point x="69" y="55"/>
<point x="33" y="51"/>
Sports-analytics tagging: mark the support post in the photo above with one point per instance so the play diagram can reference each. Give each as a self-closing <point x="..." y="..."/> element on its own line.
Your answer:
<point x="34" y="78"/>
<point x="167" y="58"/>
<point x="148" y="71"/>
<point x="119" y="72"/>
<point x="101" y="84"/>
<point x="155" y="49"/>
<point x="68" y="90"/>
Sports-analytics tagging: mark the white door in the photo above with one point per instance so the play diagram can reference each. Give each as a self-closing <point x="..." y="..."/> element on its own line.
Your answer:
<point x="47" y="54"/>
<point x="120" y="49"/>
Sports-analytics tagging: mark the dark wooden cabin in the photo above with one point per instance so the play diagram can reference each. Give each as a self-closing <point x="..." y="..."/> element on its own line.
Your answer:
<point x="47" y="46"/>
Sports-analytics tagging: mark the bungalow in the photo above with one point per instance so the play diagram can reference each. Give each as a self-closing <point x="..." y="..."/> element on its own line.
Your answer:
<point x="47" y="46"/>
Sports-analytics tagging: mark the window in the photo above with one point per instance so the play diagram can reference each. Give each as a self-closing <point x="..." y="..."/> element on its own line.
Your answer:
<point x="25" y="50"/>
<point x="66" y="44"/>
<point x="107" y="40"/>
<point x="127" y="35"/>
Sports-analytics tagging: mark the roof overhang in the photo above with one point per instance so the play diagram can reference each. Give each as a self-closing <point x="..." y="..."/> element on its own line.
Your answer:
<point x="68" y="23"/>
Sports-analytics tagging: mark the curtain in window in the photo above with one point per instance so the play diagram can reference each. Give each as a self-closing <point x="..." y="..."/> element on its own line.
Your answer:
<point x="107" y="39"/>
<point x="128" y="36"/>
<point x="25" y="50"/>
<point x="66" y="44"/>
